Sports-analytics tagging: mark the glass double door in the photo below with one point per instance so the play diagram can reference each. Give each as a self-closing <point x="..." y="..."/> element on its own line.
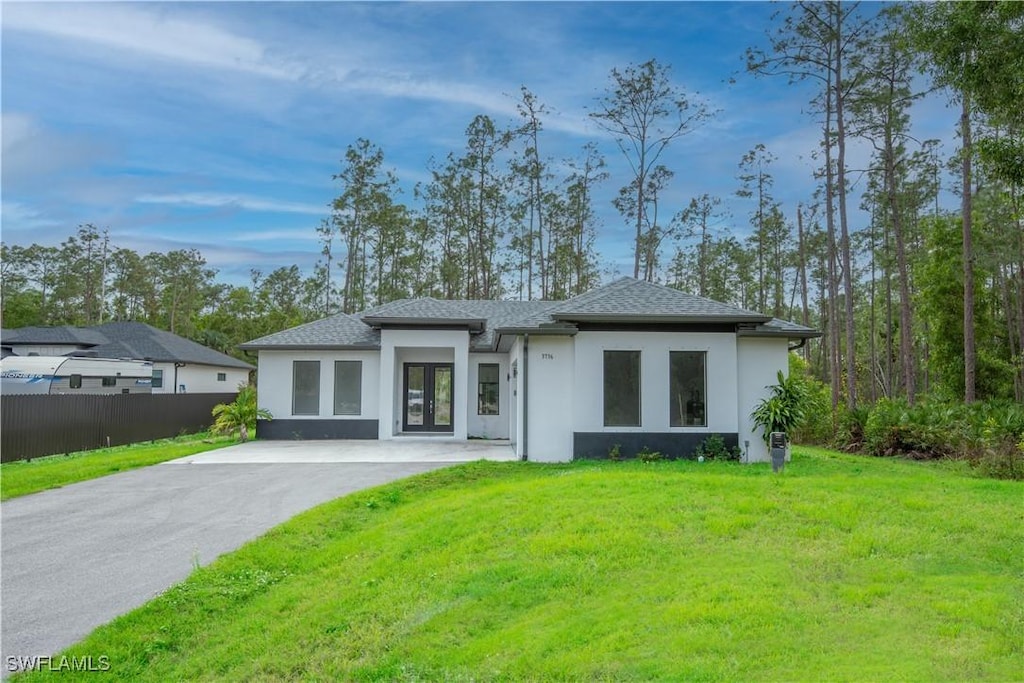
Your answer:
<point x="429" y="397"/>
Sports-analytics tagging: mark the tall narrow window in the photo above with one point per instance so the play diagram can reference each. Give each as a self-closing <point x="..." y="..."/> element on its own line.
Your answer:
<point x="348" y="387"/>
<point x="158" y="379"/>
<point x="688" y="388"/>
<point x="75" y="382"/>
<point x="621" y="388"/>
<point x="306" y="387"/>
<point x="487" y="389"/>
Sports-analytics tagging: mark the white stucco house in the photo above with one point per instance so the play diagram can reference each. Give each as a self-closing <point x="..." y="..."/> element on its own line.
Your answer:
<point x="631" y="363"/>
<point x="179" y="365"/>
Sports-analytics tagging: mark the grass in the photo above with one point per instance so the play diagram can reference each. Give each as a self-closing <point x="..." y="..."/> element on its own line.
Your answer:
<point x="39" y="474"/>
<point x="841" y="568"/>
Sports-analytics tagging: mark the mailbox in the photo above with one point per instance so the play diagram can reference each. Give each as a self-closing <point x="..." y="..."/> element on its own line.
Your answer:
<point x="777" y="443"/>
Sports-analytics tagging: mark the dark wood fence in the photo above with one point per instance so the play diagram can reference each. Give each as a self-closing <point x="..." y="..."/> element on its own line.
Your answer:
<point x="34" y="426"/>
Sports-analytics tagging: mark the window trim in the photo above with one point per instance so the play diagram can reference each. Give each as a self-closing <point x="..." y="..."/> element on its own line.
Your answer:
<point x="359" y="375"/>
<point x="497" y="389"/>
<point x="157" y="381"/>
<point x="222" y="377"/>
<point x="295" y="365"/>
<point x="639" y="389"/>
<point x="704" y="390"/>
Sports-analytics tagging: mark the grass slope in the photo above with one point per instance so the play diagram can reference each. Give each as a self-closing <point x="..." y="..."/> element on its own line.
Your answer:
<point x="30" y="476"/>
<point x="842" y="568"/>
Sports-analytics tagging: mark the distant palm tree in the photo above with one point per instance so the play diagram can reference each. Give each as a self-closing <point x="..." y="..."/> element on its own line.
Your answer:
<point x="241" y="414"/>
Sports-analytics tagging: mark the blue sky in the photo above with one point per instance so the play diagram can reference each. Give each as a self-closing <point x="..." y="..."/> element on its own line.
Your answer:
<point x="219" y="125"/>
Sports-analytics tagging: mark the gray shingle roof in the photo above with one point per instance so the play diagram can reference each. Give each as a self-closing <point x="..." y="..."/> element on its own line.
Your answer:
<point x="427" y="308"/>
<point x="126" y="340"/>
<point x="625" y="300"/>
<point x="335" y="332"/>
<point x="629" y="299"/>
<point x="780" y="328"/>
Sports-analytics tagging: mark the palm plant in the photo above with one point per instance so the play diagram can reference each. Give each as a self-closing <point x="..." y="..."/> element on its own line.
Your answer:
<point x="785" y="408"/>
<point x="239" y="415"/>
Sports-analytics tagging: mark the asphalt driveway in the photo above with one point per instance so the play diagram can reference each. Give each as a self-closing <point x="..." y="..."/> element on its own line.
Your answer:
<point x="76" y="557"/>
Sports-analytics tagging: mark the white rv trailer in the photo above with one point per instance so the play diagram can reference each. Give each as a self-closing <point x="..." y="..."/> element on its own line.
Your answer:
<point x="74" y="375"/>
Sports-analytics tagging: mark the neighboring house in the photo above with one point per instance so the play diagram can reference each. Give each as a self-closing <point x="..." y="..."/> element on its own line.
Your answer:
<point x="179" y="365"/>
<point x="631" y="364"/>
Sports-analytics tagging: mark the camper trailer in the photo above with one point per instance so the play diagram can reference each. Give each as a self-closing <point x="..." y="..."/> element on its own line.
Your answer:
<point x="74" y="375"/>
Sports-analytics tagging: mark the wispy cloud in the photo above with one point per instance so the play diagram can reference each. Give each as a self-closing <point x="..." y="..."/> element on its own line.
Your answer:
<point x="150" y="33"/>
<point x="18" y="216"/>
<point x="235" y="201"/>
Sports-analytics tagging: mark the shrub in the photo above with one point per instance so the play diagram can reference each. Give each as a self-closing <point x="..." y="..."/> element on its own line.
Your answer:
<point x="714" y="448"/>
<point x="988" y="434"/>
<point x="647" y="455"/>
<point x="240" y="414"/>
<point x="786" y="408"/>
<point x="615" y="452"/>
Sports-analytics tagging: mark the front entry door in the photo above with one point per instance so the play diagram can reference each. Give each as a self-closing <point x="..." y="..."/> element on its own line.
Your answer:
<point x="429" y="398"/>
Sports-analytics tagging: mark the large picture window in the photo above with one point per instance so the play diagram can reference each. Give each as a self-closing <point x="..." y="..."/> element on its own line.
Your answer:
<point x="487" y="389"/>
<point x="306" y="387"/>
<point x="348" y="387"/>
<point x="688" y="388"/>
<point x="621" y="388"/>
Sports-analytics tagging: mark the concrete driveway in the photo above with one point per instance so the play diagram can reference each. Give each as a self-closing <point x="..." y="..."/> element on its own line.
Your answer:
<point x="76" y="557"/>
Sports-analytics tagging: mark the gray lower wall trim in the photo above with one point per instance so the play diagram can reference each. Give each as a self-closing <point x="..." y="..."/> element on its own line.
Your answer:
<point x="316" y="429"/>
<point x="595" y="445"/>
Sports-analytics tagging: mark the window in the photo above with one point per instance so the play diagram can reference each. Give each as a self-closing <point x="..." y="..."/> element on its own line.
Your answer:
<point x="158" y="379"/>
<point x="621" y="388"/>
<point x="487" y="389"/>
<point x="687" y="388"/>
<point x="306" y="387"/>
<point x="110" y="381"/>
<point x="222" y="377"/>
<point x="348" y="387"/>
<point x="75" y="381"/>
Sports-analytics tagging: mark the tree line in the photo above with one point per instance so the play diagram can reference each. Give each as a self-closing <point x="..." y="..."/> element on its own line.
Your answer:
<point x="917" y="301"/>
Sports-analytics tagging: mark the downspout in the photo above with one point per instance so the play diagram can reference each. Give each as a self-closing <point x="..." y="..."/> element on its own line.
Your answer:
<point x="800" y="345"/>
<point x="526" y="395"/>
<point x="176" y="366"/>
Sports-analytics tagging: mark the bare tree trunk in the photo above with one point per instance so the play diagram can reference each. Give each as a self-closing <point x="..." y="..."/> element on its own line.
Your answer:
<point x="966" y="208"/>
<point x="844" y="244"/>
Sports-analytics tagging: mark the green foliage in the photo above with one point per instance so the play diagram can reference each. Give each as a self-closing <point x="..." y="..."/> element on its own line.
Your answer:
<point x="714" y="448"/>
<point x="239" y="415"/>
<point x="988" y="434"/>
<point x="646" y="455"/>
<point x="615" y="452"/>
<point x="785" y="409"/>
<point x="848" y="568"/>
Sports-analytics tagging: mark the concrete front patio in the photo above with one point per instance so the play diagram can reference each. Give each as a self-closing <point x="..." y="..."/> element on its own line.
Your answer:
<point x="402" y="450"/>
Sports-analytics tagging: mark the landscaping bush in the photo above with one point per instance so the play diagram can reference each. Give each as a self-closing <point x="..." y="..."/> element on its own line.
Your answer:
<point x="714" y="448"/>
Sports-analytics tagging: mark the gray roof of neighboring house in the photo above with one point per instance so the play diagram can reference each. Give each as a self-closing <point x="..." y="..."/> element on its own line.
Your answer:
<point x="125" y="340"/>
<point x="624" y="300"/>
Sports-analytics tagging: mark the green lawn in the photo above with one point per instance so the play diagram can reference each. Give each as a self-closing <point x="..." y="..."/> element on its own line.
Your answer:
<point x="24" y="477"/>
<point x="841" y="568"/>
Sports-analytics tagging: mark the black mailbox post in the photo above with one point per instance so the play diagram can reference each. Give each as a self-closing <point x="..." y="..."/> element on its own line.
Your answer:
<point x="777" y="443"/>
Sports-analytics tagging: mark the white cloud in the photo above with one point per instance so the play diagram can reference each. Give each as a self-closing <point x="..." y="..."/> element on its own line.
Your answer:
<point x="236" y="201"/>
<point x="149" y="33"/>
